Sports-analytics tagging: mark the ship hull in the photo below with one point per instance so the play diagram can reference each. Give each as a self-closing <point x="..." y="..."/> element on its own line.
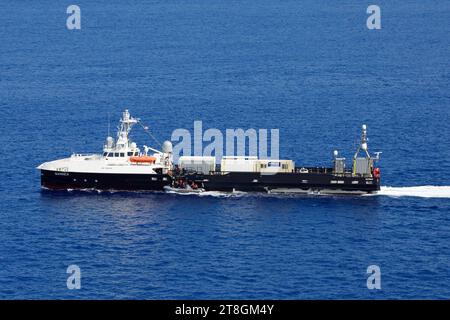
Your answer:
<point x="231" y="181"/>
<point x="56" y="180"/>
<point x="286" y="182"/>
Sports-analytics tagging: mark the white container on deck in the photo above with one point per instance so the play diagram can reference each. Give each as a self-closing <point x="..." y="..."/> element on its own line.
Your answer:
<point x="273" y="166"/>
<point x="238" y="164"/>
<point x="196" y="163"/>
<point x="253" y="164"/>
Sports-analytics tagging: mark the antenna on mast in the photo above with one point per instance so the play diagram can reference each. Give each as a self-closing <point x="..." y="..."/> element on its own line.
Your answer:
<point x="109" y="124"/>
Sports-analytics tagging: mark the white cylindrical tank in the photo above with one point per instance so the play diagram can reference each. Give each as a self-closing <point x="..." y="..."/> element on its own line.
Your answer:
<point x="167" y="147"/>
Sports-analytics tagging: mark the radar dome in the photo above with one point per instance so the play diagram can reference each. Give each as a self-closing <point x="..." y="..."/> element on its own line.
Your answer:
<point x="167" y="147"/>
<point x="133" y="145"/>
<point x="109" y="142"/>
<point x="364" y="146"/>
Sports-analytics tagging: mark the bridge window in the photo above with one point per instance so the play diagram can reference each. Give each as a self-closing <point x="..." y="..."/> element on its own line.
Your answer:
<point x="130" y="154"/>
<point x="122" y="154"/>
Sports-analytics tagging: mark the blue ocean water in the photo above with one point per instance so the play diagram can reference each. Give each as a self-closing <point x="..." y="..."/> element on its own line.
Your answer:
<point x="311" y="69"/>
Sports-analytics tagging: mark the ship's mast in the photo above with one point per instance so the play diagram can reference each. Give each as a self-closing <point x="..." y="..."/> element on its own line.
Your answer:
<point x="363" y="144"/>
<point x="364" y="166"/>
<point x="125" y="127"/>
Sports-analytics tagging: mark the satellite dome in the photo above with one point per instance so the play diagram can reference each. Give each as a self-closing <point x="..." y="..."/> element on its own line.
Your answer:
<point x="364" y="146"/>
<point x="109" y="142"/>
<point x="167" y="147"/>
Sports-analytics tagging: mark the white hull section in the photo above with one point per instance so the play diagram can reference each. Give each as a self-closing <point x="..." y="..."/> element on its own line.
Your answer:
<point x="99" y="164"/>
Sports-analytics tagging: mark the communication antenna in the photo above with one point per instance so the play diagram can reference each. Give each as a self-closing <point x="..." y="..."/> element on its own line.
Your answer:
<point x="109" y="124"/>
<point x="146" y="130"/>
<point x="363" y="144"/>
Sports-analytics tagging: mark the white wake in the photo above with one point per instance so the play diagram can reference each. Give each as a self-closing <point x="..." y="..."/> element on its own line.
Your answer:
<point x="217" y="194"/>
<point x="419" y="191"/>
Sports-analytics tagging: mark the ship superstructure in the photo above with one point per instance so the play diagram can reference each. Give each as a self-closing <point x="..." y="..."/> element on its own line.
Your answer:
<point x="121" y="166"/>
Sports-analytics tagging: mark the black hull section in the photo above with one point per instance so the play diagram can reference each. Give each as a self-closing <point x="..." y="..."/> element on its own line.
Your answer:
<point x="232" y="181"/>
<point x="56" y="180"/>
<point x="285" y="182"/>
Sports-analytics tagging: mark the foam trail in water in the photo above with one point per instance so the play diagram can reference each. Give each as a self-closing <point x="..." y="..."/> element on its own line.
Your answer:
<point x="419" y="191"/>
<point x="218" y="194"/>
